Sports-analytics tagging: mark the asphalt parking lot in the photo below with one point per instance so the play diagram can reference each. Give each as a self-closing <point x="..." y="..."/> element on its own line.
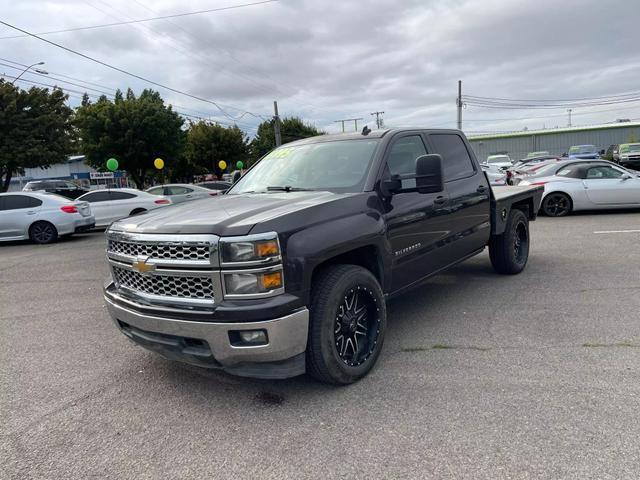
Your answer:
<point x="482" y="376"/>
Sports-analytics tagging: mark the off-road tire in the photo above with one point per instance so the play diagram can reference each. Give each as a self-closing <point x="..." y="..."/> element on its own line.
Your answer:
<point x="509" y="252"/>
<point x="330" y="291"/>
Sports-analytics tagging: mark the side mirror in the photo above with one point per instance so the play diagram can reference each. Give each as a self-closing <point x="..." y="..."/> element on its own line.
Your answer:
<point x="625" y="176"/>
<point x="429" y="174"/>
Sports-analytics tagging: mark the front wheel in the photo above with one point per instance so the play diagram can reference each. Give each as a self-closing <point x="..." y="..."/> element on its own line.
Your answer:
<point x="348" y="321"/>
<point x="509" y="252"/>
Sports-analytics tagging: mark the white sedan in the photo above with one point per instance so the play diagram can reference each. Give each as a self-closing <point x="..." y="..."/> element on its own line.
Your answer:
<point x="181" y="192"/>
<point x="496" y="175"/>
<point x="586" y="185"/>
<point x="41" y="217"/>
<point x="111" y="205"/>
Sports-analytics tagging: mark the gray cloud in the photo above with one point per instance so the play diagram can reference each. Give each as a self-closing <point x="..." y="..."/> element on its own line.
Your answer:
<point x="328" y="60"/>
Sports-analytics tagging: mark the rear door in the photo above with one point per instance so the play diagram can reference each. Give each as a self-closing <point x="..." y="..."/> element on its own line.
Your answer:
<point x="415" y="221"/>
<point x="468" y="197"/>
<point x="17" y="213"/>
<point x="100" y="205"/>
<point x="605" y="186"/>
<point x="122" y="204"/>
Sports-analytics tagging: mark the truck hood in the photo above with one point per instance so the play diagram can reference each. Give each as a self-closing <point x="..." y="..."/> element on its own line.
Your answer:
<point x="224" y="215"/>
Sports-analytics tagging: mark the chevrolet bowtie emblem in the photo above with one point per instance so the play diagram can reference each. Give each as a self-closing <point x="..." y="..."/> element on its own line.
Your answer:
<point x="140" y="265"/>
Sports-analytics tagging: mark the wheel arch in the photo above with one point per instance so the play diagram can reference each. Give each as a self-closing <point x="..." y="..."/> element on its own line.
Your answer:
<point x="368" y="257"/>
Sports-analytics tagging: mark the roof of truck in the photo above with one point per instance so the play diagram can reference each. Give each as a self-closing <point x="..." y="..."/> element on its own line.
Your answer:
<point x="359" y="136"/>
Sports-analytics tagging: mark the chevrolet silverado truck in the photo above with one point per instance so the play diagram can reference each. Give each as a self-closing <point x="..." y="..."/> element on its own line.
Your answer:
<point x="289" y="271"/>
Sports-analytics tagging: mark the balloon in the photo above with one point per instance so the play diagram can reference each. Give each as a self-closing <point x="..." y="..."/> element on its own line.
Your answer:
<point x="112" y="164"/>
<point x="222" y="164"/>
<point x="239" y="165"/>
<point x="158" y="163"/>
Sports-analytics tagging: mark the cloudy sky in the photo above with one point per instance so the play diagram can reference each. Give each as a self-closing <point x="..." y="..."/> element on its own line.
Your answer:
<point x="326" y="60"/>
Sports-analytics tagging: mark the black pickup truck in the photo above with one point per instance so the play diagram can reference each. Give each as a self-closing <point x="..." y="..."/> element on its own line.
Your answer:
<point x="290" y="270"/>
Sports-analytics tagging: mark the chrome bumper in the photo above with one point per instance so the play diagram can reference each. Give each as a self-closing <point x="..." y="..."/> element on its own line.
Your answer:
<point x="287" y="336"/>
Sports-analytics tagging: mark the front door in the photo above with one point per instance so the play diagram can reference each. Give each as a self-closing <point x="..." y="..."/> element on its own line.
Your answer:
<point x="17" y="212"/>
<point x="605" y="186"/>
<point x="414" y="225"/>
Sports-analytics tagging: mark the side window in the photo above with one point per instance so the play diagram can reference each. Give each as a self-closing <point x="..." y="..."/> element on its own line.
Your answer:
<point x="603" y="172"/>
<point x="456" y="161"/>
<point x="34" y="202"/>
<point x="96" y="197"/>
<point x="402" y="157"/>
<point x="156" y="191"/>
<point x="121" y="195"/>
<point x="16" y="202"/>
<point x="178" y="190"/>
<point x="570" y="171"/>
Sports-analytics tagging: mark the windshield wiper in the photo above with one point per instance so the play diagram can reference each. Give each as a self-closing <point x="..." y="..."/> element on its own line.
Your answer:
<point x="287" y="188"/>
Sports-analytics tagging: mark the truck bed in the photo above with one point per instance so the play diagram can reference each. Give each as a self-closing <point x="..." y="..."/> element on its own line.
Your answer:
<point x="503" y="199"/>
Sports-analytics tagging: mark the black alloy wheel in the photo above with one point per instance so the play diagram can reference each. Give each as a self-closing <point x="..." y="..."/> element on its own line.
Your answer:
<point x="521" y="242"/>
<point x="357" y="326"/>
<point x="43" y="232"/>
<point x="556" y="205"/>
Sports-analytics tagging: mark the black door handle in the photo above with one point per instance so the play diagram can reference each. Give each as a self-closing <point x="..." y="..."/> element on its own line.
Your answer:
<point x="481" y="189"/>
<point x="440" y="200"/>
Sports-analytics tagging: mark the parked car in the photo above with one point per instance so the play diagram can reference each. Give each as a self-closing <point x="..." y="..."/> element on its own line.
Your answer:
<point x="496" y="175"/>
<point x="584" y="152"/>
<point x="500" y="161"/>
<point x="537" y="154"/>
<point x="41" y="217"/>
<point x="291" y="271"/>
<point x="629" y="155"/>
<point x="578" y="185"/>
<point x="521" y="170"/>
<point x="111" y="205"/>
<point x="525" y="162"/>
<point x="60" y="187"/>
<point x="216" y="186"/>
<point x="181" y="192"/>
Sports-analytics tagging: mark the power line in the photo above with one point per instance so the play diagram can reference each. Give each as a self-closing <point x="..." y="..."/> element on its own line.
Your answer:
<point x="142" y="20"/>
<point x="139" y="77"/>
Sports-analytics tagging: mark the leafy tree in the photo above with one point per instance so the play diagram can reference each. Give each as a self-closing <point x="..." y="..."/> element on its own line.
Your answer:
<point x="35" y="129"/>
<point x="133" y="130"/>
<point x="291" y="129"/>
<point x="209" y="143"/>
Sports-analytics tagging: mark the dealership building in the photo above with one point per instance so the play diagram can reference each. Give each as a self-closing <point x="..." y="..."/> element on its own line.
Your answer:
<point x="75" y="169"/>
<point x="556" y="141"/>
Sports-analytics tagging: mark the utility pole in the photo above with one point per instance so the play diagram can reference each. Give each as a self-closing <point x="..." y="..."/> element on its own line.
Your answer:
<point x="348" y="120"/>
<point x="379" y="121"/>
<point x="569" y="110"/>
<point x="276" y="124"/>
<point x="459" y="104"/>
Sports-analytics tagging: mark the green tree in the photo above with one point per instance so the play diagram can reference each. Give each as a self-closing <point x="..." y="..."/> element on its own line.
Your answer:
<point x="209" y="143"/>
<point x="134" y="130"/>
<point x="35" y="129"/>
<point x="291" y="129"/>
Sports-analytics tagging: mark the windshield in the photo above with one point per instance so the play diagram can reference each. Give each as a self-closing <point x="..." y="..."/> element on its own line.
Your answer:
<point x="339" y="166"/>
<point x="582" y="149"/>
<point x="630" y="147"/>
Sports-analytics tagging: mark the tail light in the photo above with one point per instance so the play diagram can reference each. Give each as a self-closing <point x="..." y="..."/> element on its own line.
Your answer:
<point x="69" y="209"/>
<point x="162" y="201"/>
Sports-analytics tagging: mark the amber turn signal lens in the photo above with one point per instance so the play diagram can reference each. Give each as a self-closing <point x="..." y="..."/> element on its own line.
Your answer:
<point x="267" y="249"/>
<point x="271" y="281"/>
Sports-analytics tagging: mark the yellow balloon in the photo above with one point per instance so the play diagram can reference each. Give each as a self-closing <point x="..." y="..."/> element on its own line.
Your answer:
<point x="158" y="163"/>
<point x="222" y="164"/>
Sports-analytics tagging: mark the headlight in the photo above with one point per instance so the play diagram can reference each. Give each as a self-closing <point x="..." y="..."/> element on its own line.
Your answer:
<point x="248" y="283"/>
<point x="250" y="250"/>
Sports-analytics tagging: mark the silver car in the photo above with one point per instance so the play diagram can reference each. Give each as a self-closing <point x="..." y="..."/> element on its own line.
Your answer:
<point x="181" y="192"/>
<point x="496" y="175"/>
<point x="585" y="185"/>
<point x="41" y="217"/>
<point x="500" y="161"/>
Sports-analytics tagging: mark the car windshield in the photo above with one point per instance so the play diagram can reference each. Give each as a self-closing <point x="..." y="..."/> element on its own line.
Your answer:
<point x="582" y="149"/>
<point x="630" y="147"/>
<point x="338" y="166"/>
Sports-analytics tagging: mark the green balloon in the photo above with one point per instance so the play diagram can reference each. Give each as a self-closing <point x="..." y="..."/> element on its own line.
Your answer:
<point x="112" y="164"/>
<point x="239" y="164"/>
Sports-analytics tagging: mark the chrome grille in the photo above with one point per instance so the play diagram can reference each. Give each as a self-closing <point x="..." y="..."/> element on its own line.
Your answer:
<point x="170" y="286"/>
<point x="165" y="251"/>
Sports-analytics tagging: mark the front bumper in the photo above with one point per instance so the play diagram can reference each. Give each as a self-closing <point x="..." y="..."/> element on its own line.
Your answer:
<point x="209" y="344"/>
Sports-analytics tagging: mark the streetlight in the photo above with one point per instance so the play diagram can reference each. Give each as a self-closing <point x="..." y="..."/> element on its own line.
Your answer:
<point x="43" y="72"/>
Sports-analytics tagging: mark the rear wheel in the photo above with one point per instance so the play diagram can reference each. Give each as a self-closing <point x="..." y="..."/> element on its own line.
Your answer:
<point x="509" y="252"/>
<point x="557" y="205"/>
<point x="43" y="232"/>
<point x="348" y="321"/>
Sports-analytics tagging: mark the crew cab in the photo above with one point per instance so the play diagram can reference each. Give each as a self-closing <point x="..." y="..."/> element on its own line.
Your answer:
<point x="290" y="270"/>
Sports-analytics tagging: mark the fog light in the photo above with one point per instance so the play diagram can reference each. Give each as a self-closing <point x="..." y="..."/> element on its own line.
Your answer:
<point x="253" y="336"/>
<point x="246" y="338"/>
